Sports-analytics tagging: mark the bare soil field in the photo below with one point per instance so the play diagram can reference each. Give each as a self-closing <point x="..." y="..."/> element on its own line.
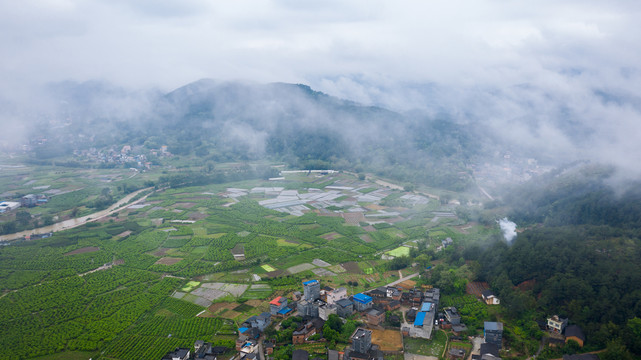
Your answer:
<point x="254" y="302"/>
<point x="352" y="267"/>
<point x="197" y="216"/>
<point x="124" y="233"/>
<point x="476" y="288"/>
<point x="388" y="340"/>
<point x="369" y="228"/>
<point x="83" y="250"/>
<point x="407" y="284"/>
<point x="167" y="261"/>
<point x="161" y="252"/>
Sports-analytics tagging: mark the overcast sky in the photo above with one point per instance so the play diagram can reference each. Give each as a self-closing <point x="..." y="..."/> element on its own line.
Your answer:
<point x="325" y="43"/>
<point x="499" y="60"/>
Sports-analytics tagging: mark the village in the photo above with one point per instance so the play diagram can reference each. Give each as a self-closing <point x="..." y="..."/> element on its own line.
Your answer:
<point x="385" y="316"/>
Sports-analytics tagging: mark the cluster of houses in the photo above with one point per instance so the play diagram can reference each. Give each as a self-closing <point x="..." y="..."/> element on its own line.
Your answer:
<point x="123" y="156"/>
<point x="201" y="351"/>
<point x="315" y="305"/>
<point x="30" y="200"/>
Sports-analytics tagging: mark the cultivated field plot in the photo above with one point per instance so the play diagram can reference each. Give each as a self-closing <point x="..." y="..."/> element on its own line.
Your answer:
<point x="323" y="272"/>
<point x="168" y="261"/>
<point x="476" y="288"/>
<point x="354" y="218"/>
<point x="352" y="267"/>
<point x="399" y="251"/>
<point x="257" y="291"/>
<point x="300" y="268"/>
<point x="331" y="236"/>
<point x="233" y="289"/>
<point x="209" y="294"/>
<point x="184" y="205"/>
<point x="388" y="340"/>
<point x="83" y="250"/>
<point x="197" y="300"/>
<point x="366" y="238"/>
<point x="268" y="268"/>
<point x="161" y="252"/>
<point x="178" y="295"/>
<point x="336" y="268"/>
<point x="190" y="286"/>
<point x="321" y="263"/>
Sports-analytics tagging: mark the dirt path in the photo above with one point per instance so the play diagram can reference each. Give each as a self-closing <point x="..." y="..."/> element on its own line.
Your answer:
<point x="72" y="223"/>
<point x="402" y="279"/>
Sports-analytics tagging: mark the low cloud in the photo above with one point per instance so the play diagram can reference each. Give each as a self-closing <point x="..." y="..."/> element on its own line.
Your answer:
<point x="508" y="228"/>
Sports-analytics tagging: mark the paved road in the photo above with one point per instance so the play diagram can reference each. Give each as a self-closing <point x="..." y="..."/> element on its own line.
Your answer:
<point x="72" y="223"/>
<point x="402" y="279"/>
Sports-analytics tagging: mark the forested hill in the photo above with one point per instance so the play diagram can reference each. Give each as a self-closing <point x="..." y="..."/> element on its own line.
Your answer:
<point x="578" y="256"/>
<point x="233" y="121"/>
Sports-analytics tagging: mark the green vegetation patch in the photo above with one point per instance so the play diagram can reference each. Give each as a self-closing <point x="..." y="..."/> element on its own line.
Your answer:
<point x="399" y="251"/>
<point x="190" y="286"/>
<point x="268" y="267"/>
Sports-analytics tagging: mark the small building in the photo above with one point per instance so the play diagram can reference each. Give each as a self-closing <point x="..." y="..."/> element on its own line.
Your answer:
<point x="334" y="355"/>
<point x="260" y="322"/>
<point x="362" y="302"/>
<point x="8" y="206"/>
<point x="489" y="349"/>
<point x="557" y="324"/>
<point x="361" y="340"/>
<point x="459" y="328"/>
<point x="30" y="200"/>
<point x="178" y="354"/>
<point x="419" y="321"/>
<point x="380" y="292"/>
<point x="277" y="304"/>
<point x="324" y="311"/>
<point x="393" y="305"/>
<point x="296" y="295"/>
<point x="311" y="290"/>
<point x="574" y="332"/>
<point x="344" y="308"/>
<point x="301" y="334"/>
<point x="490" y="298"/>
<point x="452" y="315"/>
<point x="456" y="353"/>
<point x="333" y="296"/>
<point x="307" y="309"/>
<point x="375" y="316"/>
<point x="493" y="333"/>
<point x="269" y="347"/>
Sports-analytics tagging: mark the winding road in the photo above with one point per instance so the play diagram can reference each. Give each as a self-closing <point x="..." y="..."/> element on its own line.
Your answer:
<point x="72" y="223"/>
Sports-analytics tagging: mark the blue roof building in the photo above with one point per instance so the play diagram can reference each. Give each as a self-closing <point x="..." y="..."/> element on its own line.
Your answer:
<point x="362" y="302"/>
<point x="426" y="306"/>
<point x="420" y="318"/>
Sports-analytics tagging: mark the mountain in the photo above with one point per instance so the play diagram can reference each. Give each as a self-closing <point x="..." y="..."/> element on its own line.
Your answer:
<point x="236" y="121"/>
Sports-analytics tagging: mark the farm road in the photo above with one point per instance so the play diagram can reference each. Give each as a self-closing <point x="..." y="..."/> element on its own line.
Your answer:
<point x="72" y="223"/>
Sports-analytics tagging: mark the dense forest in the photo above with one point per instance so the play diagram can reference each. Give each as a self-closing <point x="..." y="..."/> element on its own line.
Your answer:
<point x="577" y="257"/>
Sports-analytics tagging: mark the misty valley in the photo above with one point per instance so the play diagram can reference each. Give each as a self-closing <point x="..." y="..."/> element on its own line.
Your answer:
<point x="236" y="220"/>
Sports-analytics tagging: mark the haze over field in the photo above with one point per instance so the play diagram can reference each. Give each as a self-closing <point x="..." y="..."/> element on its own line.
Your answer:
<point x="556" y="78"/>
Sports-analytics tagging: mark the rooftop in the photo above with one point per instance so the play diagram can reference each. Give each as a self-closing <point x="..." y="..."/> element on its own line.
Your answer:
<point x="493" y="326"/>
<point x="310" y="282"/>
<point x="420" y="318"/>
<point x="278" y="300"/>
<point x="362" y="298"/>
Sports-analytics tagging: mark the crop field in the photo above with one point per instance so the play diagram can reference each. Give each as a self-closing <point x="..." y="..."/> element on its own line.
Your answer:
<point x="268" y="268"/>
<point x="175" y="257"/>
<point x="399" y="251"/>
